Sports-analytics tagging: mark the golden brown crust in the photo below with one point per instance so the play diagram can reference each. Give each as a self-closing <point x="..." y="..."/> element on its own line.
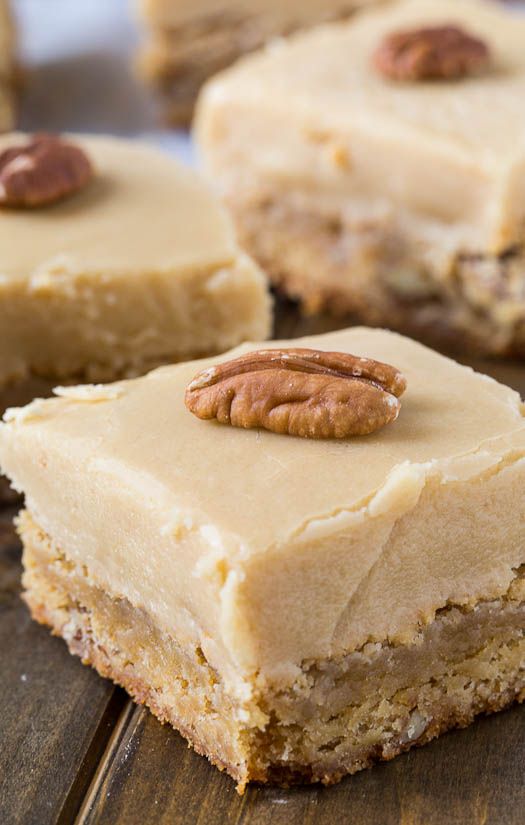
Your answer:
<point x="178" y="60"/>
<point x="283" y="775"/>
<point x="368" y="273"/>
<point x="291" y="746"/>
<point x="82" y="644"/>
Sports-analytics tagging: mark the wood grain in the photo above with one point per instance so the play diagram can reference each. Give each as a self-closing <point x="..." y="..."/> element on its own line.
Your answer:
<point x="470" y="777"/>
<point x="75" y="750"/>
<point x="55" y="712"/>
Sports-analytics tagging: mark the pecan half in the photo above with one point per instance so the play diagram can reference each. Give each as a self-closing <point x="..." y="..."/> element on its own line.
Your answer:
<point x="41" y="172"/>
<point x="432" y="53"/>
<point x="303" y="392"/>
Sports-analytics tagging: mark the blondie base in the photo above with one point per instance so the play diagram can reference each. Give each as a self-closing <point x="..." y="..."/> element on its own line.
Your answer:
<point x="184" y="48"/>
<point x="367" y="270"/>
<point x="342" y="714"/>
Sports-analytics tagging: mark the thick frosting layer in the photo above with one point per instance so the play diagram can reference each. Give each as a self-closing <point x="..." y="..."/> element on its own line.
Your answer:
<point x="445" y="158"/>
<point x="267" y="550"/>
<point x="143" y="212"/>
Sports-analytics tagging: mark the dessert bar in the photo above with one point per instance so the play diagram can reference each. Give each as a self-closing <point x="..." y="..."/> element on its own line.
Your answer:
<point x="376" y="168"/>
<point x="136" y="267"/>
<point x="298" y="607"/>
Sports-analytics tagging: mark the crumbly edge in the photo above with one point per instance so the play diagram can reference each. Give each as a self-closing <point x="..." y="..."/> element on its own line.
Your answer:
<point x="339" y="717"/>
<point x="385" y="699"/>
<point x="176" y="682"/>
<point x="178" y="60"/>
<point x="21" y="385"/>
<point x="370" y="273"/>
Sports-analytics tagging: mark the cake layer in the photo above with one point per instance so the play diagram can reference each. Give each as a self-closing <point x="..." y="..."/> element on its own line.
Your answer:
<point x="7" y="67"/>
<point x="124" y="644"/>
<point x="267" y="550"/>
<point x="340" y="715"/>
<point x="170" y="13"/>
<point x="139" y="268"/>
<point x="445" y="158"/>
<point x="7" y="107"/>
<point x="102" y="326"/>
<point x="189" y="42"/>
<point x="372" y="271"/>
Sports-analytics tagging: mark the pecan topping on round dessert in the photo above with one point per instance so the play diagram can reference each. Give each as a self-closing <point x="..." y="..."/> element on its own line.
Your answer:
<point x="302" y="392"/>
<point x="431" y="53"/>
<point x="42" y="172"/>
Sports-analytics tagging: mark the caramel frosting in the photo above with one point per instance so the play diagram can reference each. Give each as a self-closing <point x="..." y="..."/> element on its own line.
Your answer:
<point x="445" y="159"/>
<point x="143" y="212"/>
<point x="268" y="550"/>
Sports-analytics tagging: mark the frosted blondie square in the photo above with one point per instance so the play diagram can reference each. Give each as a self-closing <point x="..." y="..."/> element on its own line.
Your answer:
<point x="377" y="168"/>
<point x="139" y="268"/>
<point x="297" y="607"/>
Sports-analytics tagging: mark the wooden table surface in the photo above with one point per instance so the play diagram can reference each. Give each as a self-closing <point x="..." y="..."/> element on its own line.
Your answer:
<point x="75" y="749"/>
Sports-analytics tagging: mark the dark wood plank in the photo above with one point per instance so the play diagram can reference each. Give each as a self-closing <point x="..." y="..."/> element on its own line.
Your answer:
<point x="56" y="715"/>
<point x="471" y="777"/>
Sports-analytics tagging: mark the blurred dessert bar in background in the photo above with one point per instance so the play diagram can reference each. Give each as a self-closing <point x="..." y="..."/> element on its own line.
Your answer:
<point x="7" y="67"/>
<point x="187" y="42"/>
<point x="114" y="259"/>
<point x="376" y="168"/>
